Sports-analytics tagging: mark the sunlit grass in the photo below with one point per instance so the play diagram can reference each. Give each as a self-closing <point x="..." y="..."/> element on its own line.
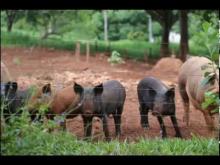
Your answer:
<point x="20" y="137"/>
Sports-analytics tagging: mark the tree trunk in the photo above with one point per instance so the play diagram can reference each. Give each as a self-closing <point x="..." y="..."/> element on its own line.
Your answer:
<point x="184" y="48"/>
<point x="151" y="39"/>
<point x="9" y="26"/>
<point x="164" y="49"/>
<point x="10" y="19"/>
<point x="105" y="25"/>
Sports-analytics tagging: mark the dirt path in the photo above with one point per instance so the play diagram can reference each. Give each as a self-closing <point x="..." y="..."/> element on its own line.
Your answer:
<point x="61" y="67"/>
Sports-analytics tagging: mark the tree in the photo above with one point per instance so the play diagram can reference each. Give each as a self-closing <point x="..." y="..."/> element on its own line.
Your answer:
<point x="184" y="47"/>
<point x="121" y="23"/>
<point x="105" y="25"/>
<point x="166" y="18"/>
<point x="11" y="17"/>
<point x="49" y="21"/>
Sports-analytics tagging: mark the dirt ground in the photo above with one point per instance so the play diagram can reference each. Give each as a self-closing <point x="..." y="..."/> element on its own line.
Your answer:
<point x="61" y="68"/>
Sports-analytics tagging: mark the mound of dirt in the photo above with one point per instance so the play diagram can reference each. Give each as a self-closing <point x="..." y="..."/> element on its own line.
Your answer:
<point x="60" y="80"/>
<point x="168" y="65"/>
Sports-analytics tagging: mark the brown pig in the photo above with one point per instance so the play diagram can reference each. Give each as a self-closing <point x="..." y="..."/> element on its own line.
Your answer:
<point x="65" y="100"/>
<point x="192" y="90"/>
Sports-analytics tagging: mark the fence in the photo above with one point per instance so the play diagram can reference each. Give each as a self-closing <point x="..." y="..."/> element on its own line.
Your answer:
<point x="125" y="121"/>
<point x="144" y="53"/>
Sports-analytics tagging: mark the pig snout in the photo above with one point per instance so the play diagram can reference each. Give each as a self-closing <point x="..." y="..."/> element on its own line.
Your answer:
<point x="157" y="110"/>
<point x="87" y="113"/>
<point x="156" y="113"/>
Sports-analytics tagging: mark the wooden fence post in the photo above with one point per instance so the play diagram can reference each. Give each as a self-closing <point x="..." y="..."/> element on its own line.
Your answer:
<point x="145" y="56"/>
<point x="77" y="51"/>
<point x="87" y="53"/>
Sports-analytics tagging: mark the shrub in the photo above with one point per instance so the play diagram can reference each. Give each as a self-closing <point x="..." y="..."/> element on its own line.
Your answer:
<point x="138" y="35"/>
<point x="115" y="58"/>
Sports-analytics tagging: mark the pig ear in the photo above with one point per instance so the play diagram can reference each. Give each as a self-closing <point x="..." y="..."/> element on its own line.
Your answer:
<point x="171" y="92"/>
<point x="14" y="86"/>
<point x="11" y="86"/>
<point x="77" y="88"/>
<point x="47" y="89"/>
<point x="98" y="89"/>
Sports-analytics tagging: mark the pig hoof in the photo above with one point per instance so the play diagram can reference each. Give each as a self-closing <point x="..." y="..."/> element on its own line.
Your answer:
<point x="87" y="139"/>
<point x="108" y="139"/>
<point x="184" y="119"/>
<point x="145" y="126"/>
<point x="118" y="135"/>
<point x="187" y="125"/>
<point x="178" y="136"/>
<point x="164" y="136"/>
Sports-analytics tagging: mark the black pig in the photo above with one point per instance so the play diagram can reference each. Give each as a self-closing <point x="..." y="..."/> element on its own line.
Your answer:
<point x="13" y="99"/>
<point x="9" y="99"/>
<point x="101" y="101"/>
<point x="155" y="96"/>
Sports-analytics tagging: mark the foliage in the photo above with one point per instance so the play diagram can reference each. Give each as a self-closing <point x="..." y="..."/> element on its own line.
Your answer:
<point x="20" y="137"/>
<point x="121" y="22"/>
<point x="209" y="38"/>
<point x="129" y="49"/>
<point x="87" y="25"/>
<point x="137" y="36"/>
<point x="9" y="17"/>
<point x="211" y="99"/>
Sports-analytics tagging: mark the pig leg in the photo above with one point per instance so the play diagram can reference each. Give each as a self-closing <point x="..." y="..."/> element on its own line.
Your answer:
<point x="175" y="125"/>
<point x="105" y="127"/>
<point x="117" y="119"/>
<point x="144" y="116"/>
<point x="185" y="100"/>
<point x="209" y="122"/>
<point x="162" y="126"/>
<point x="87" y="121"/>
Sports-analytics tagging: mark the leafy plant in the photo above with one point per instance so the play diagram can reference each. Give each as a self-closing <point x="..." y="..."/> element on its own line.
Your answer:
<point x="16" y="61"/>
<point x="115" y="58"/>
<point x="211" y="99"/>
<point x="208" y="37"/>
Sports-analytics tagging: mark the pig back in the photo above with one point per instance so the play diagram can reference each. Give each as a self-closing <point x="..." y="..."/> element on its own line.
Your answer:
<point x="190" y="78"/>
<point x="144" y="87"/>
<point x="151" y="83"/>
<point x="63" y="99"/>
<point x="113" y="94"/>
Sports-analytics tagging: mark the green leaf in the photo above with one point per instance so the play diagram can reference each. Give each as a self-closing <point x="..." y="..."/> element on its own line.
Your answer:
<point x="215" y="110"/>
<point x="206" y="74"/>
<point x="211" y="99"/>
<point x="206" y="26"/>
<point x="215" y="57"/>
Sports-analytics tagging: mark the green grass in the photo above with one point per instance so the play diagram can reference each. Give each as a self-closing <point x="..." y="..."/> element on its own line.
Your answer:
<point x="130" y="49"/>
<point x="20" y="137"/>
<point x="41" y="143"/>
<point x="19" y="39"/>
